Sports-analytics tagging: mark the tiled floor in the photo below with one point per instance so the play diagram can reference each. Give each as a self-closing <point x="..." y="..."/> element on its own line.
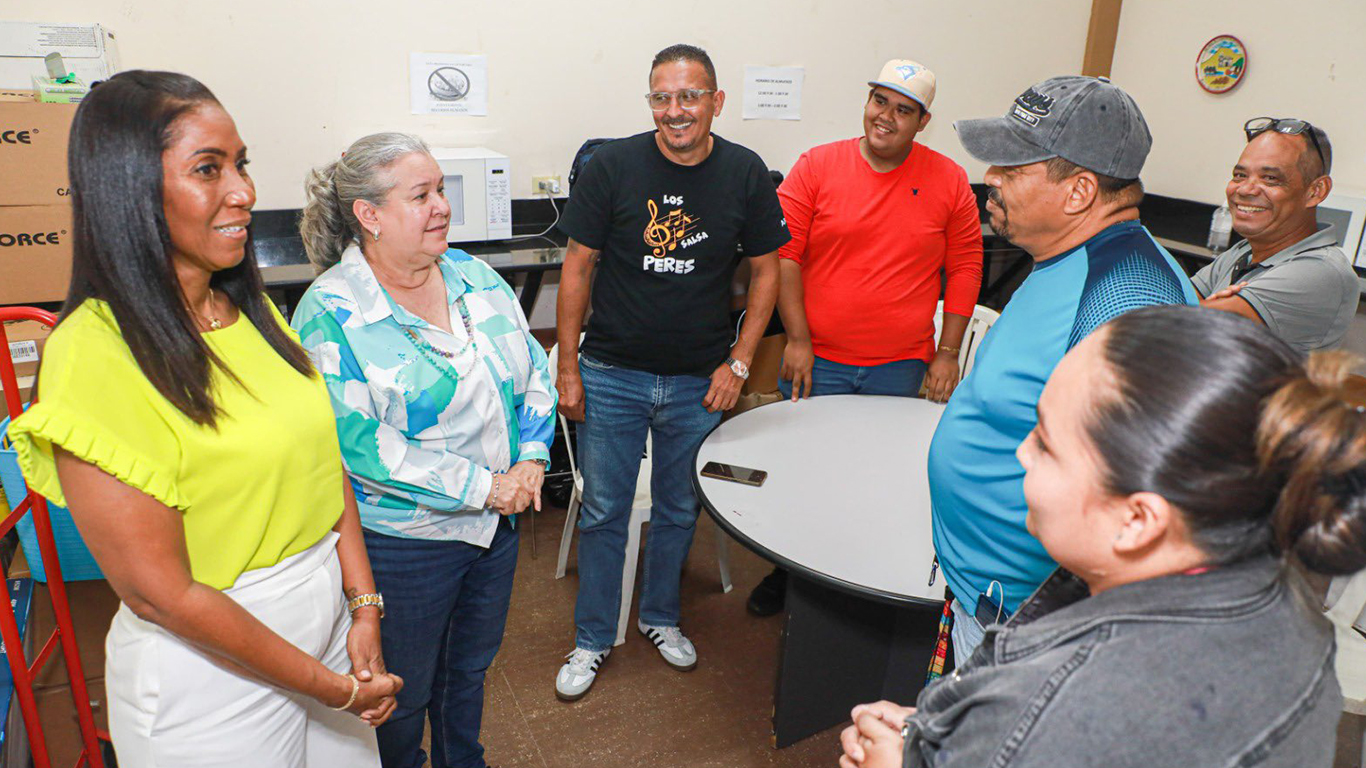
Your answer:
<point x="640" y="712"/>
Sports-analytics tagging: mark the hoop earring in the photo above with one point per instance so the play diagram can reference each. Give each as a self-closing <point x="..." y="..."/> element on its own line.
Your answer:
<point x="375" y="233"/>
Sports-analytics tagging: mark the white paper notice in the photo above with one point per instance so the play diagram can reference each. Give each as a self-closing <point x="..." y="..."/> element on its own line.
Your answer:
<point x="773" y="93"/>
<point x="449" y="84"/>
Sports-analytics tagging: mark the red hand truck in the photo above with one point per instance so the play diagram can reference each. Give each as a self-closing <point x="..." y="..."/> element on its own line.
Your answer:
<point x="65" y="634"/>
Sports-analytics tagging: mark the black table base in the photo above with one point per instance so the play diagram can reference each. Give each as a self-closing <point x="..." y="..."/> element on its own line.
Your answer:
<point x="839" y="650"/>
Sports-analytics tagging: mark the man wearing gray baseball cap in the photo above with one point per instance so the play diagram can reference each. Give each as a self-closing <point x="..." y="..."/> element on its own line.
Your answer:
<point x="1065" y="161"/>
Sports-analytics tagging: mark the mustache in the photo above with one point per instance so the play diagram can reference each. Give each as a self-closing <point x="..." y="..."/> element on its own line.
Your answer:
<point x="994" y="195"/>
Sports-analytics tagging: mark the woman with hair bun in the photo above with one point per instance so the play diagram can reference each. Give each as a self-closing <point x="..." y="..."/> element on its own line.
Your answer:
<point x="183" y="425"/>
<point x="445" y="410"/>
<point x="1186" y="466"/>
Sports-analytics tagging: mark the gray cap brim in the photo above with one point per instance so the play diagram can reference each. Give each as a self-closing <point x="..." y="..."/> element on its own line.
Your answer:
<point x="991" y="140"/>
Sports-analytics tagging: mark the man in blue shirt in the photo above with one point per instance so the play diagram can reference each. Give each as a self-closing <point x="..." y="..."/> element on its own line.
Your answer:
<point x="1065" y="161"/>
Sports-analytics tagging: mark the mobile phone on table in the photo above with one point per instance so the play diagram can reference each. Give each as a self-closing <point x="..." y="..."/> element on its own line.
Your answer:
<point x="734" y="474"/>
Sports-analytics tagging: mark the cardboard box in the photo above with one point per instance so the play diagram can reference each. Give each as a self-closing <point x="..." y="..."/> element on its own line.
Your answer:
<point x="26" y="341"/>
<point x="33" y="139"/>
<point x="93" y="605"/>
<point x="35" y="253"/>
<point x="62" y="731"/>
<point x="749" y="402"/>
<point x="18" y="566"/>
<point x="764" y="369"/>
<point x="88" y="50"/>
<point x="92" y="609"/>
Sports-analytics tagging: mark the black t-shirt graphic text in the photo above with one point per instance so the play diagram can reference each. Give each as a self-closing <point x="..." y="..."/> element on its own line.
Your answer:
<point x="668" y="235"/>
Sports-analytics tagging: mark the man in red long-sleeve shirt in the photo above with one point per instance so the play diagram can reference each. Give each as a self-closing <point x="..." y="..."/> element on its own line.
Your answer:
<point x="875" y="222"/>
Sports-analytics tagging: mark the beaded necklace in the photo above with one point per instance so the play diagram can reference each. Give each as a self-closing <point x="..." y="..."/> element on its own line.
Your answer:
<point x="428" y="350"/>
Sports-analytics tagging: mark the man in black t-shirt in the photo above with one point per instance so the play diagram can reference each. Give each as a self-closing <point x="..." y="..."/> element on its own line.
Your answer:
<point x="661" y="215"/>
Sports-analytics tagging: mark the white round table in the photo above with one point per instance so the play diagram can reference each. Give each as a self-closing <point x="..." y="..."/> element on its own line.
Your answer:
<point x="847" y="500"/>
<point x="846" y="510"/>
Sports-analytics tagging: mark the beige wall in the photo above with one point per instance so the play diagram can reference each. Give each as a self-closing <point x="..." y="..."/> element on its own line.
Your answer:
<point x="1305" y="59"/>
<point x="303" y="78"/>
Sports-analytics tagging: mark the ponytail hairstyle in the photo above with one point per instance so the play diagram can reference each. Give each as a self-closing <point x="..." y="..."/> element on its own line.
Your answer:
<point x="122" y="247"/>
<point x="1313" y="433"/>
<point x="1260" y="452"/>
<point x="329" y="222"/>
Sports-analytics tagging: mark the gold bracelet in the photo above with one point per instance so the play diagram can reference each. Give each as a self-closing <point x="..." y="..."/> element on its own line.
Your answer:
<point x="950" y="350"/>
<point x="360" y="601"/>
<point x="355" y="690"/>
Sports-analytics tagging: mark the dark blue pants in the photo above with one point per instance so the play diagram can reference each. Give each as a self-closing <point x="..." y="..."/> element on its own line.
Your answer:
<point x="445" y="607"/>
<point x="900" y="378"/>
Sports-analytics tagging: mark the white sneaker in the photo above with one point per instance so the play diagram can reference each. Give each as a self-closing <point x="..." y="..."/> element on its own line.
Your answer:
<point x="676" y="649"/>
<point x="577" y="674"/>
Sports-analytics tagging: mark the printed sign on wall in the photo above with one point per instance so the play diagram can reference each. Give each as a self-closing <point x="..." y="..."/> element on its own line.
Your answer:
<point x="449" y="84"/>
<point x="773" y="93"/>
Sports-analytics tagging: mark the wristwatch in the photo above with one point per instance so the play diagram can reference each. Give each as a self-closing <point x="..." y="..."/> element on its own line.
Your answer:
<point x="360" y="601"/>
<point x="738" y="368"/>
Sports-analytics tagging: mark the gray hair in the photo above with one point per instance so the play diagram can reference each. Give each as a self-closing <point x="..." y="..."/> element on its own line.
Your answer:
<point x="329" y="222"/>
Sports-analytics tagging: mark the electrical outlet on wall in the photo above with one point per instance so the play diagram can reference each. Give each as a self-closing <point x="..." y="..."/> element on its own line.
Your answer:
<point x="545" y="185"/>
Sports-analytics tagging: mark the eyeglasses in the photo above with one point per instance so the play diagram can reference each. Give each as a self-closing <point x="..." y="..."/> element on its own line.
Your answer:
<point x="1287" y="125"/>
<point x="688" y="98"/>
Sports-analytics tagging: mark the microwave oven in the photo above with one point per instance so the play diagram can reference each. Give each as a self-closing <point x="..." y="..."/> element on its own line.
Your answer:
<point x="479" y="189"/>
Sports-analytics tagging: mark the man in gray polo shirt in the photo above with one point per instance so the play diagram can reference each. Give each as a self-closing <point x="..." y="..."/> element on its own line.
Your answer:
<point x="1287" y="273"/>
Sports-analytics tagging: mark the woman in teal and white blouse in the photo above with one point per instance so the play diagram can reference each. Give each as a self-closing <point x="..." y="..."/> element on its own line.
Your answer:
<point x="445" y="412"/>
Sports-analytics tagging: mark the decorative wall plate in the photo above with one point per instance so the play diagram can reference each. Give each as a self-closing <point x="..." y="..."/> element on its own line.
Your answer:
<point x="1221" y="64"/>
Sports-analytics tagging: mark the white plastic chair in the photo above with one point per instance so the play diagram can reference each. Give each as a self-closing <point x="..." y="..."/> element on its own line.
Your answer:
<point x="640" y="514"/>
<point x="981" y="321"/>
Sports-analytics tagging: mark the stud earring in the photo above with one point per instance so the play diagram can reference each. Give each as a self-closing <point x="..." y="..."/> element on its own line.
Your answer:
<point x="375" y="234"/>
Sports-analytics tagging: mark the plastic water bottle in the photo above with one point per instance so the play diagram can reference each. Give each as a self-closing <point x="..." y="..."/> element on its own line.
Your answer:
<point x="1220" y="229"/>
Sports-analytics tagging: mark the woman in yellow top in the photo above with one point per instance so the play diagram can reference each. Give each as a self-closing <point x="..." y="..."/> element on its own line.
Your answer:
<point x="182" y="424"/>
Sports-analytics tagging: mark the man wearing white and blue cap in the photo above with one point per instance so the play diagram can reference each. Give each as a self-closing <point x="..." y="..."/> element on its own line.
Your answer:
<point x="877" y="223"/>
<point x="1063" y="177"/>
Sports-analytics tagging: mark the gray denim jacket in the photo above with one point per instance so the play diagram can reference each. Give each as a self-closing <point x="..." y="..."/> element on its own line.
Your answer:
<point x="1227" y="668"/>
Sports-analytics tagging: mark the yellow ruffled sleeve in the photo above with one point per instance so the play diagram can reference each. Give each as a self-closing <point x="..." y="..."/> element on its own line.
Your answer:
<point x="94" y="402"/>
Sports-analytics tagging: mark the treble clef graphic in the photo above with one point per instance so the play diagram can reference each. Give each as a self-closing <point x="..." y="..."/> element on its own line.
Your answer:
<point x="657" y="234"/>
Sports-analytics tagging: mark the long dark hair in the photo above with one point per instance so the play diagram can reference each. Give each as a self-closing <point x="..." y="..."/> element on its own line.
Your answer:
<point x="1261" y="450"/>
<point x="122" y="244"/>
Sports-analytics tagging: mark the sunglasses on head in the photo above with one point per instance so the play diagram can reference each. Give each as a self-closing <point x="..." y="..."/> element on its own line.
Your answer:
<point x="1287" y="125"/>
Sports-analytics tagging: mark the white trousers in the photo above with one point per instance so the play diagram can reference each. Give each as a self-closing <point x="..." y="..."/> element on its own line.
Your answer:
<point x="172" y="705"/>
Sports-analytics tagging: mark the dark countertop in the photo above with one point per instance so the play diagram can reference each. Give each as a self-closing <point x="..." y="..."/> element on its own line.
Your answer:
<point x="1180" y="226"/>
<point x="283" y="263"/>
<point x="280" y="250"/>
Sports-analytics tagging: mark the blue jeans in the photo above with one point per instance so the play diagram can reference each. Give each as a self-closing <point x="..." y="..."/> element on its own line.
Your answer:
<point x="445" y="606"/>
<point x="901" y="378"/>
<point x="967" y="633"/>
<point x="622" y="404"/>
